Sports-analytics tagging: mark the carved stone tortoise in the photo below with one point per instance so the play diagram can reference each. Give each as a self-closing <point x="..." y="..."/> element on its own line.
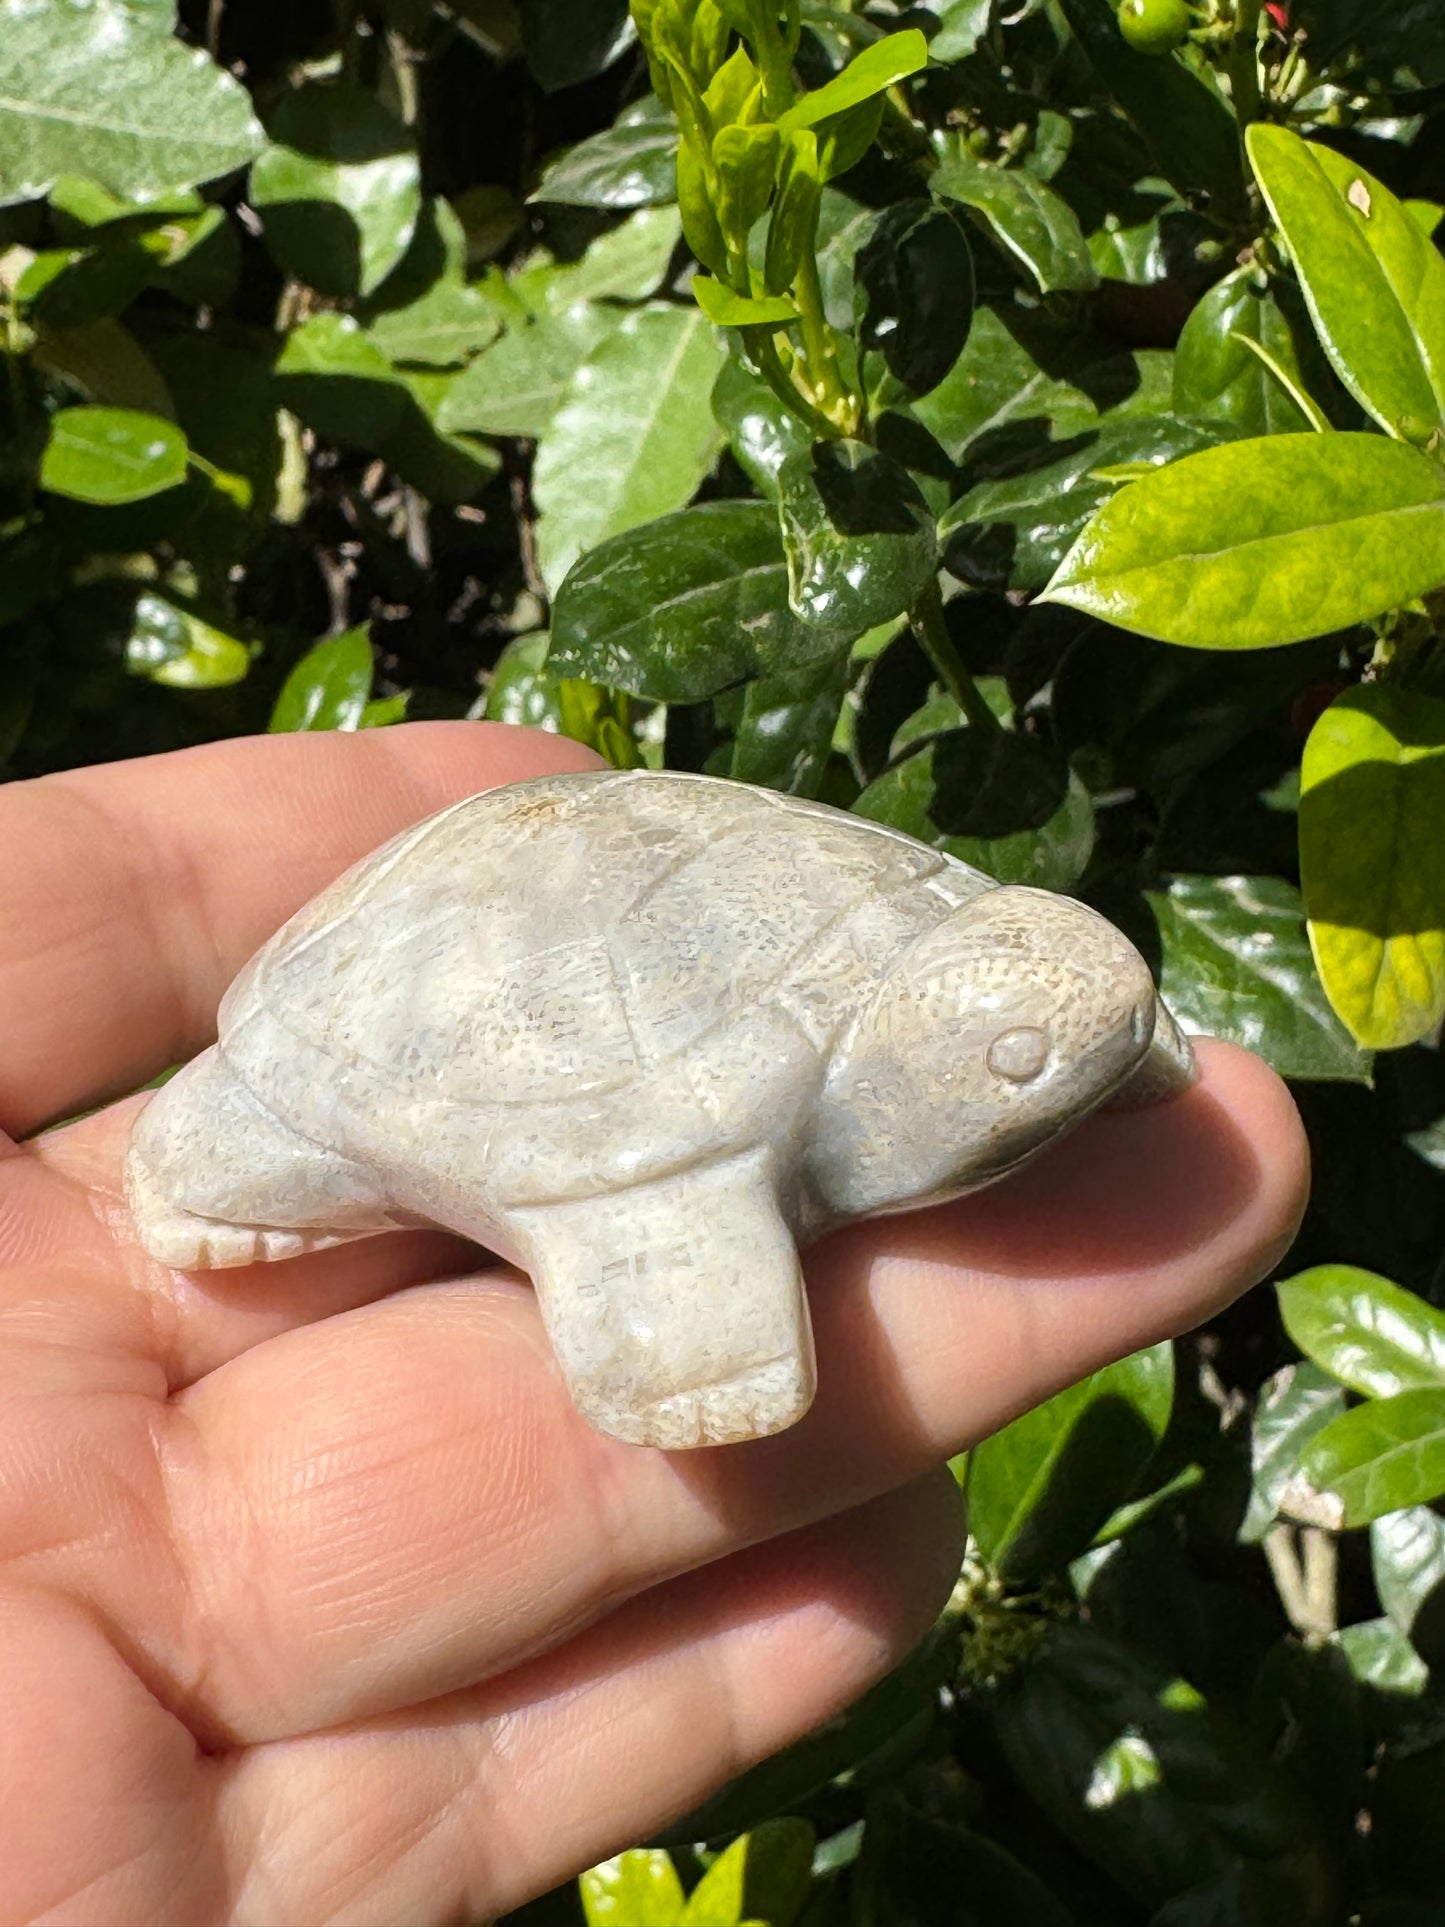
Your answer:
<point x="644" y="1034"/>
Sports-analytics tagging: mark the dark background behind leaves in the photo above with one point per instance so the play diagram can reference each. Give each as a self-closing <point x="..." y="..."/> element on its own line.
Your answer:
<point x="1164" y="1693"/>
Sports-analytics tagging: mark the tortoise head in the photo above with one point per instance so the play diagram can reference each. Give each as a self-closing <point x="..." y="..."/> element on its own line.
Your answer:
<point x="999" y="1029"/>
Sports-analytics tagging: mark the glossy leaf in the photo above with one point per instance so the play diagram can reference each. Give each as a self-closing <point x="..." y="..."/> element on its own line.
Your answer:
<point x="632" y="163"/>
<point x="1377" y="1458"/>
<point x="729" y="310"/>
<point x="684" y="606"/>
<point x="1026" y="216"/>
<point x="1236" y="964"/>
<point x="1218" y="378"/>
<point x="636" y="1889"/>
<point x="1407" y="1558"/>
<point x="1183" y="117"/>
<point x="111" y="456"/>
<point x="632" y="438"/>
<point x="1263" y="541"/>
<point x="1380" y="1656"/>
<point x="1015" y="532"/>
<point x="87" y="88"/>
<point x="762" y="432"/>
<point x="916" y="275"/>
<point x="516" y="386"/>
<point x="1039" y="1490"/>
<point x="999" y="801"/>
<point x="994" y="385"/>
<point x="1370" y="1334"/>
<point x="171" y="646"/>
<point x="784" y="731"/>
<point x="1374" y="283"/>
<point x="1297" y="1402"/>
<point x="329" y="687"/>
<point x="871" y="72"/>
<point x="858" y="536"/>
<point x="339" y="189"/>
<point x="764" y="1877"/>
<point x="1372" y="797"/>
<point x="443" y="327"/>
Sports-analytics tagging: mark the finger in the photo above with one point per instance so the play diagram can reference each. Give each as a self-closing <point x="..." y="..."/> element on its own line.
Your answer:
<point x="135" y="891"/>
<point x="399" y="1502"/>
<point x="498" y="1794"/>
<point x="62" y="1192"/>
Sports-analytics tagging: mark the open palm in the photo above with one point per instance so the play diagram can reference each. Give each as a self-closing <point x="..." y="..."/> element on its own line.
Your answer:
<point x="318" y="1601"/>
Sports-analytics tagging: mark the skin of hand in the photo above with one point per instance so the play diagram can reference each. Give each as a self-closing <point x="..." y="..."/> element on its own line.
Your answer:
<point x="318" y="1601"/>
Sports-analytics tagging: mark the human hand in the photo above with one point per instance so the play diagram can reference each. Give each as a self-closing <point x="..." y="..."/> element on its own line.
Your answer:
<point x="317" y="1599"/>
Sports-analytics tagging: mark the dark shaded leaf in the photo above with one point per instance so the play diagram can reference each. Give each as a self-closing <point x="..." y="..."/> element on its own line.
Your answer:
<point x="633" y="163"/>
<point x="916" y="275"/>
<point x="1236" y="964"/>
<point x="858" y="535"/>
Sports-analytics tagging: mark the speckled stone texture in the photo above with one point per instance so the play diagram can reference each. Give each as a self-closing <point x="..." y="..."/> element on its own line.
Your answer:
<point x="645" y="1034"/>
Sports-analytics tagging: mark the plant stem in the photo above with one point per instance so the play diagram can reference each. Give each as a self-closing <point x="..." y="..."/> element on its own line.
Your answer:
<point x="1241" y="63"/>
<point x="936" y="643"/>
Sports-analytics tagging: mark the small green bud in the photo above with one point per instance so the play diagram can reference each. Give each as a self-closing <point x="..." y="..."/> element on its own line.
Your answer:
<point x="1155" y="26"/>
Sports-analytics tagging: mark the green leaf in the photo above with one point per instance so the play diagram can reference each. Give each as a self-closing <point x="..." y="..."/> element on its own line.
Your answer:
<point x="1014" y="533"/>
<point x="339" y="191"/>
<point x="915" y="272"/>
<point x="763" y="1877"/>
<point x="858" y="536"/>
<point x="1407" y="1558"/>
<point x="1372" y="1335"/>
<point x="1028" y="218"/>
<point x="636" y="1889"/>
<point x="85" y="88"/>
<point x="624" y="264"/>
<point x="684" y="607"/>
<point x="1040" y="1489"/>
<point x="1297" y="1402"/>
<point x="1236" y="964"/>
<point x="1260" y="542"/>
<point x="1004" y="803"/>
<point x="108" y="364"/>
<point x="633" y="437"/>
<point x="784" y="732"/>
<point x="762" y="432"/>
<point x="729" y="310"/>
<point x="962" y="24"/>
<point x="632" y="163"/>
<point x="871" y="72"/>
<point x="1374" y="283"/>
<point x="1372" y="799"/>
<point x="995" y="383"/>
<point x="569" y="41"/>
<point x="1180" y="113"/>
<point x="329" y="687"/>
<point x="516" y="386"/>
<point x="111" y="455"/>
<point x="171" y="646"/>
<point x="1218" y="378"/>
<point x="1380" y="1656"/>
<point x="339" y="382"/>
<point x="1375" y="1459"/>
<point x="1154" y="1786"/>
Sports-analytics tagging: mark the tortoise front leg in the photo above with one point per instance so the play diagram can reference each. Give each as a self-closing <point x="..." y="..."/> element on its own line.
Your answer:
<point x="676" y="1309"/>
<point x="214" y="1179"/>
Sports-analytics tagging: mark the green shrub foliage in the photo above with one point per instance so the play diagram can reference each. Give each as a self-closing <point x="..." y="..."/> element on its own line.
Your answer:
<point x="1015" y="421"/>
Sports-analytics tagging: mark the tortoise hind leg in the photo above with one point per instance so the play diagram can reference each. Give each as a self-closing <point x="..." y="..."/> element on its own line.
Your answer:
<point x="214" y="1179"/>
<point x="676" y="1309"/>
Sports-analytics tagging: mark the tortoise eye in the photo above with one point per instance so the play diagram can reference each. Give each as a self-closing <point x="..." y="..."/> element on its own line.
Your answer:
<point x="1019" y="1054"/>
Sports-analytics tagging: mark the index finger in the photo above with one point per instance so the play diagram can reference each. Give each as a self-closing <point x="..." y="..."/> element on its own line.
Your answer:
<point x="137" y="890"/>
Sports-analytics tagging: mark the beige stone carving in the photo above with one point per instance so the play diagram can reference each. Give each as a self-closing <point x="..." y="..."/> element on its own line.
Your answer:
<point x="645" y="1035"/>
